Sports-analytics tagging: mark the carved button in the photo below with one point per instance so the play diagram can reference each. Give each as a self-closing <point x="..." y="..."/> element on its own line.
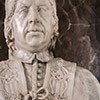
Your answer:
<point x="39" y="84"/>
<point x="40" y="65"/>
<point x="39" y="71"/>
<point x="39" y="77"/>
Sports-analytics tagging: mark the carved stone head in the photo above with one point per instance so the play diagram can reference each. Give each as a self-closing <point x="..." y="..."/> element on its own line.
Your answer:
<point x="31" y="25"/>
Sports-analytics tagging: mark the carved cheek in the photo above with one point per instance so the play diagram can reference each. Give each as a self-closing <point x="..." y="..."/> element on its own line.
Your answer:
<point x="19" y="25"/>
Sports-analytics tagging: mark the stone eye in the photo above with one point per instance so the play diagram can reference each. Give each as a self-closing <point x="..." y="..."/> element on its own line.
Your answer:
<point x="42" y="8"/>
<point x="23" y="9"/>
<point x="39" y="9"/>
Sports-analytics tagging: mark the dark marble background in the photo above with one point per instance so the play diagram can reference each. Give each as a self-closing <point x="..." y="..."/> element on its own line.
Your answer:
<point x="79" y="27"/>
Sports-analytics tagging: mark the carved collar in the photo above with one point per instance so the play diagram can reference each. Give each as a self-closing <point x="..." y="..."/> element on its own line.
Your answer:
<point x="28" y="57"/>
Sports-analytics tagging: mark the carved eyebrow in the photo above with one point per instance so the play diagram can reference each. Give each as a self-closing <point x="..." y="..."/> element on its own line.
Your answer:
<point x="23" y="4"/>
<point x="43" y="5"/>
<point x="20" y="7"/>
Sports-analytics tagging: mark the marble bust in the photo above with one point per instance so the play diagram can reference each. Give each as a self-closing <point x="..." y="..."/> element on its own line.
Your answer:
<point x="32" y="72"/>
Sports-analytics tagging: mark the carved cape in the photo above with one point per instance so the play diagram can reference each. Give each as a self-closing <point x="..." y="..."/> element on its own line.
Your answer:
<point x="64" y="81"/>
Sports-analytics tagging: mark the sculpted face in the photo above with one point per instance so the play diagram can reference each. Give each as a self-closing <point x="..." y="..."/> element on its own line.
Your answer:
<point x="32" y="25"/>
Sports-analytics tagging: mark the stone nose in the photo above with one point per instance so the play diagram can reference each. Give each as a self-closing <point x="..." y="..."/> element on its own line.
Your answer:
<point x="33" y="16"/>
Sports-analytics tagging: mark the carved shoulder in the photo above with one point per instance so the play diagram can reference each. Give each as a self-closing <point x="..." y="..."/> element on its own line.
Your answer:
<point x="87" y="76"/>
<point x="86" y="84"/>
